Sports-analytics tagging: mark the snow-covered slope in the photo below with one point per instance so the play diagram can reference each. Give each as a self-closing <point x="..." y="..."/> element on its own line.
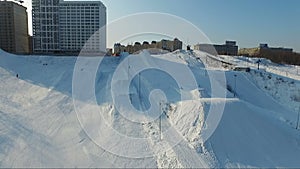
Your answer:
<point x="40" y="128"/>
<point x="284" y="89"/>
<point x="290" y="71"/>
<point x="280" y="81"/>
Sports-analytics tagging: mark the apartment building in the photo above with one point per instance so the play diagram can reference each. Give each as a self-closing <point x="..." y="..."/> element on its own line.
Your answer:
<point x="66" y="26"/>
<point x="14" y="36"/>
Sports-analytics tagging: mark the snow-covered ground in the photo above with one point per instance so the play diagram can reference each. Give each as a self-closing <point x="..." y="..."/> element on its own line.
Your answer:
<point x="285" y="90"/>
<point x="291" y="71"/>
<point x="280" y="81"/>
<point x="39" y="126"/>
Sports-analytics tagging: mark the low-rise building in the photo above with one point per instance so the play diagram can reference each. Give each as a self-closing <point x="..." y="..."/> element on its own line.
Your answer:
<point x="275" y="54"/>
<point x="118" y="48"/>
<point x="229" y="48"/>
<point x="109" y="52"/>
<point x="280" y="49"/>
<point x="264" y="48"/>
<point x="163" y="44"/>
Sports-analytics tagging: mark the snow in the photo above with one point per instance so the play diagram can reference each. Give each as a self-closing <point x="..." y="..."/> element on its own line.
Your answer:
<point x="276" y="86"/>
<point x="290" y="71"/>
<point x="43" y="124"/>
<point x="254" y="140"/>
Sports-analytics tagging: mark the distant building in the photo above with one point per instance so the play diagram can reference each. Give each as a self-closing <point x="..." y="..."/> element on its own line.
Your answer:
<point x="278" y="54"/>
<point x="229" y="48"/>
<point x="109" y="52"/>
<point x="177" y="44"/>
<point x="65" y="26"/>
<point x="146" y="45"/>
<point x="118" y="48"/>
<point x="14" y="36"/>
<point x="30" y="42"/>
<point x="163" y="44"/>
<point x="45" y="27"/>
<point x="264" y="48"/>
<point x="169" y="45"/>
<point x="263" y="45"/>
<point x="78" y="21"/>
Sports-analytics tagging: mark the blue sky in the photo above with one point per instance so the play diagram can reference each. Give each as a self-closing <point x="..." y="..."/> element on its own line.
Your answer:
<point x="249" y="22"/>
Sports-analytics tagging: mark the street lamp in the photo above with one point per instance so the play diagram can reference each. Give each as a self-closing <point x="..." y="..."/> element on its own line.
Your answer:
<point x="298" y="119"/>
<point x="139" y="87"/>
<point x="161" y="104"/>
<point x="258" y="62"/>
<point x="234" y="93"/>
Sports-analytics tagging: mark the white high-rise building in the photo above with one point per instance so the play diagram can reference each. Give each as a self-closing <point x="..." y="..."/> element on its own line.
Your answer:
<point x="66" y="26"/>
<point x="45" y="26"/>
